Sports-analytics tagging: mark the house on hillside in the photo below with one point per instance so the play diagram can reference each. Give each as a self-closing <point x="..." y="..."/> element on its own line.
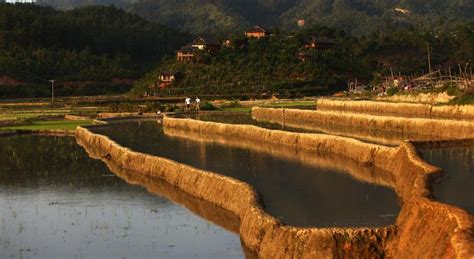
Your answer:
<point x="227" y="43"/>
<point x="202" y="43"/>
<point x="300" y="23"/>
<point x="166" y="78"/>
<point x="257" y="32"/>
<point x="319" y="43"/>
<point x="186" y="53"/>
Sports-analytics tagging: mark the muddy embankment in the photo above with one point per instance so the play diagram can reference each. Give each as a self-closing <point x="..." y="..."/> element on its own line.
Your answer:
<point x="425" y="228"/>
<point x="308" y="119"/>
<point x="260" y="232"/>
<point x="430" y="98"/>
<point x="465" y="112"/>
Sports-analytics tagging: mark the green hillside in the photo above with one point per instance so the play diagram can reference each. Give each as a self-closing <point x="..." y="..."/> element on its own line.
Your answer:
<point x="272" y="65"/>
<point x="86" y="44"/>
<point x="355" y="16"/>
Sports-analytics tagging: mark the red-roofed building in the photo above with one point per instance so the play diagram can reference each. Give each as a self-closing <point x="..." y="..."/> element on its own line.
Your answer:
<point x="257" y="32"/>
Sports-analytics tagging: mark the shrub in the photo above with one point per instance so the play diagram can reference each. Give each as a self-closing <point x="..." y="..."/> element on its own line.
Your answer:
<point x="466" y="98"/>
<point x="392" y="91"/>
<point x="154" y="107"/>
<point x="232" y="104"/>
<point x="170" y="108"/>
<point x="124" y="107"/>
<point x="452" y="90"/>
<point x="207" y="106"/>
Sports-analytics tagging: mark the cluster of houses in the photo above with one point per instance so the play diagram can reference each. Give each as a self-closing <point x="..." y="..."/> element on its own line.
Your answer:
<point x="187" y="53"/>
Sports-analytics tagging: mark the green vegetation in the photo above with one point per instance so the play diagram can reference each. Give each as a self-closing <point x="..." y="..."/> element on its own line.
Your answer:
<point x="270" y="66"/>
<point x="208" y="106"/>
<point x="88" y="51"/>
<point x="40" y="117"/>
<point x="360" y="17"/>
<point x="264" y="67"/>
<point x="149" y="107"/>
<point x="392" y="91"/>
<point x="49" y="125"/>
<point x="101" y="50"/>
<point x="237" y="109"/>
<point x="232" y="104"/>
<point x="464" y="98"/>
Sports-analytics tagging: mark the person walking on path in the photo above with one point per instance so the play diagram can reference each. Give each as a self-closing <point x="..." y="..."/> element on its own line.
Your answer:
<point x="198" y="103"/>
<point x="187" y="101"/>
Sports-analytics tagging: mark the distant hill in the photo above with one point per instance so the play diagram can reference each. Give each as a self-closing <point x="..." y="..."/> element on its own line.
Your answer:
<point x="223" y="16"/>
<point x="99" y="44"/>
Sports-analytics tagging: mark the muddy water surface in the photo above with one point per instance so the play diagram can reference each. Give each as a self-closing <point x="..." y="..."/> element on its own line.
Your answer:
<point x="298" y="193"/>
<point x="457" y="187"/>
<point x="56" y="202"/>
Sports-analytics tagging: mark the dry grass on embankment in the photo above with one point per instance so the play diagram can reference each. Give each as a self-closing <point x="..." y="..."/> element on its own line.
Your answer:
<point x="437" y="229"/>
<point x="447" y="129"/>
<point x="465" y="112"/>
<point x="442" y="231"/>
<point x="430" y="98"/>
<point x="259" y="231"/>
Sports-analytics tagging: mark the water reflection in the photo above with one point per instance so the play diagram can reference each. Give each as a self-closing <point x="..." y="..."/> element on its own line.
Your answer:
<point x="457" y="187"/>
<point x="56" y="202"/>
<point x="202" y="208"/>
<point x="299" y="193"/>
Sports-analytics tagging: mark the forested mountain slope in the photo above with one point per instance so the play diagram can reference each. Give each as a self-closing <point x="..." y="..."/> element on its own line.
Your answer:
<point x="358" y="16"/>
<point x="85" y="44"/>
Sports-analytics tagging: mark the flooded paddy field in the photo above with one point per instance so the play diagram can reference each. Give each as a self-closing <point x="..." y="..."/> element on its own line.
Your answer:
<point x="56" y="202"/>
<point x="298" y="193"/>
<point x="457" y="186"/>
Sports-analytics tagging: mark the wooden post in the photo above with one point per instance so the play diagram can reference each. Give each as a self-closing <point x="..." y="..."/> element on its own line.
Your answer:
<point x="393" y="78"/>
<point x="429" y="57"/>
<point x="450" y="78"/>
<point x="466" y="80"/>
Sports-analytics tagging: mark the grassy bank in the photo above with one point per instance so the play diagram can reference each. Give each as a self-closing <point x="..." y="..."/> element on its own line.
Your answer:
<point x="49" y="125"/>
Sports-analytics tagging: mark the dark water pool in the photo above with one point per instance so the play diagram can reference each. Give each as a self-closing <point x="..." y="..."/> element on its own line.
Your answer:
<point x="457" y="187"/>
<point x="299" y="193"/>
<point x="56" y="202"/>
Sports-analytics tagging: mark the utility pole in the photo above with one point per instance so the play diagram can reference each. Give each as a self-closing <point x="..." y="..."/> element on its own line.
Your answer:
<point x="52" y="91"/>
<point x="429" y="57"/>
<point x="429" y="63"/>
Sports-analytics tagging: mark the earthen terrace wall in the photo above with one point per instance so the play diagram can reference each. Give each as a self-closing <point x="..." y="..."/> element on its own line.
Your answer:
<point x="399" y="109"/>
<point x="444" y="230"/>
<point x="425" y="228"/>
<point x="310" y="119"/>
<point x="259" y="231"/>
